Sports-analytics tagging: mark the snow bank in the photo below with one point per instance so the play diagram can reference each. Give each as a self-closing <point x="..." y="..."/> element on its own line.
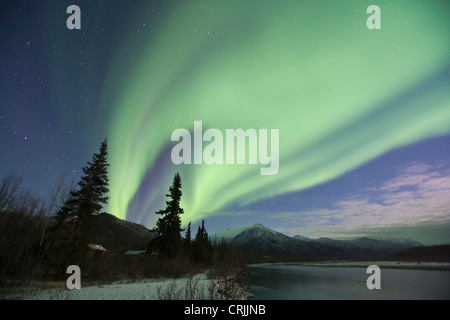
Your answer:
<point x="198" y="287"/>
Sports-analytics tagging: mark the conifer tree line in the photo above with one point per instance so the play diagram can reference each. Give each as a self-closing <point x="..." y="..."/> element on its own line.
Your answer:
<point x="44" y="241"/>
<point x="76" y="216"/>
<point x="169" y="243"/>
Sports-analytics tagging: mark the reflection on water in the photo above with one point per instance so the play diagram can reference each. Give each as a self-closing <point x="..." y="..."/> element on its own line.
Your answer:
<point x="295" y="282"/>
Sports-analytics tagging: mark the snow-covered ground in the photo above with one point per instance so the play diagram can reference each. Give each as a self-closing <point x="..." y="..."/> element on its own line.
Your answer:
<point x="198" y="287"/>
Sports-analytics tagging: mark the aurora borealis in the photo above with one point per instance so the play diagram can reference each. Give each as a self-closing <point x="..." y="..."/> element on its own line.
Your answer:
<point x="342" y="97"/>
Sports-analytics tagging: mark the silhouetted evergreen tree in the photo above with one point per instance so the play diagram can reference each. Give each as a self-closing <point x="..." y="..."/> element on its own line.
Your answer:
<point x="187" y="240"/>
<point x="202" y="246"/>
<point x="89" y="198"/>
<point x="168" y="226"/>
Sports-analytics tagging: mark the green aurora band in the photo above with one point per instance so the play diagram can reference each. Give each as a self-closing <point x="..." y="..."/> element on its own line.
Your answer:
<point x="339" y="93"/>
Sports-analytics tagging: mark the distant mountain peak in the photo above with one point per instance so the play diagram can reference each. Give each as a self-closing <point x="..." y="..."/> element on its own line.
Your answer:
<point x="297" y="236"/>
<point x="268" y="242"/>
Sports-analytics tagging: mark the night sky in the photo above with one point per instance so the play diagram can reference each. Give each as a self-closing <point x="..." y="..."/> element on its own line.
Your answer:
<point x="363" y="115"/>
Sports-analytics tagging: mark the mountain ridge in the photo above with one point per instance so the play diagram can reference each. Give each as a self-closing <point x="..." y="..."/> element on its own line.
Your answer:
<point x="119" y="235"/>
<point x="270" y="243"/>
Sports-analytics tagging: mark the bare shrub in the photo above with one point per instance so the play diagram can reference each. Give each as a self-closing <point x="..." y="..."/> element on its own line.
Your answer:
<point x="169" y="292"/>
<point x="229" y="281"/>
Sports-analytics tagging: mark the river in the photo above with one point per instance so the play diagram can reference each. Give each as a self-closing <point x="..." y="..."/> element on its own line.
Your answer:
<point x="320" y="282"/>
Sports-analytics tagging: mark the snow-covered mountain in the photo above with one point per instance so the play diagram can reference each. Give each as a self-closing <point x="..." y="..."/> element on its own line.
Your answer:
<point x="267" y="242"/>
<point x="229" y="234"/>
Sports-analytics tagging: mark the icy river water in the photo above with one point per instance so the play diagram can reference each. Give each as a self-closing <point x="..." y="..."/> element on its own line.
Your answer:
<point x="302" y="282"/>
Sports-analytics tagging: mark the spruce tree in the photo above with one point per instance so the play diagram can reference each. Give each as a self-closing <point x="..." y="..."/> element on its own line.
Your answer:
<point x="168" y="226"/>
<point x="202" y="245"/>
<point x="187" y="240"/>
<point x="88" y="200"/>
<point x="92" y="194"/>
